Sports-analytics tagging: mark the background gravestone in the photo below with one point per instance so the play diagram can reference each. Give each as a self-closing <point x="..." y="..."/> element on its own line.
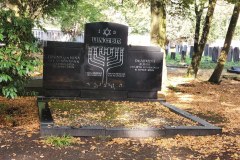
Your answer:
<point x="179" y="49"/>
<point x="173" y="52"/>
<point x="236" y="53"/>
<point x="183" y="52"/>
<point x="230" y="54"/>
<point x="215" y="54"/>
<point x="210" y="50"/>
<point x="191" y="51"/>
<point x="106" y="55"/>
<point x="206" y="50"/>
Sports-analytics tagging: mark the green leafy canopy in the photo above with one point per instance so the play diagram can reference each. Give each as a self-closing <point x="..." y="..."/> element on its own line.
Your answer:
<point x="16" y="56"/>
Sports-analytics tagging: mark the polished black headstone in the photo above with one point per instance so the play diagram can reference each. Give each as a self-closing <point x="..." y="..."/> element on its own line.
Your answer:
<point x="106" y="55"/>
<point x="144" y="71"/>
<point x="63" y="65"/>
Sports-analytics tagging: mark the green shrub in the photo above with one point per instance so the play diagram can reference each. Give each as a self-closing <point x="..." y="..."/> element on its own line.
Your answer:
<point x="60" y="141"/>
<point x="16" y="56"/>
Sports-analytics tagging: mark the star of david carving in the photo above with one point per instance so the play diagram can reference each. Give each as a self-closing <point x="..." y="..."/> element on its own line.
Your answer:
<point x="107" y="32"/>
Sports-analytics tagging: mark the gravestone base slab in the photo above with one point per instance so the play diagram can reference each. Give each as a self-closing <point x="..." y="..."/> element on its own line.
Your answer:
<point x="150" y="95"/>
<point x="62" y="93"/>
<point x="48" y="128"/>
<point x="104" y="94"/>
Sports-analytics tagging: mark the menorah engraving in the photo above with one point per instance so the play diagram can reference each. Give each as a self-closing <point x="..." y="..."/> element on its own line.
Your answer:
<point x="105" y="58"/>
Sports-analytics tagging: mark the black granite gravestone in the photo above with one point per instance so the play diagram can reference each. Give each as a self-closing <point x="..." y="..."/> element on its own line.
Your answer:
<point x="236" y="54"/>
<point x="144" y="71"/>
<point x="63" y="68"/>
<point x="106" y="54"/>
<point x="104" y="67"/>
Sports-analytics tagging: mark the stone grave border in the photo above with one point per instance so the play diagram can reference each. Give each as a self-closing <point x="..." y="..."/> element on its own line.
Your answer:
<point x="47" y="127"/>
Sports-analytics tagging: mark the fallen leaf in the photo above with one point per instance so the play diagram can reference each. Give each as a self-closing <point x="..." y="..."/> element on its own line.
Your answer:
<point x="93" y="148"/>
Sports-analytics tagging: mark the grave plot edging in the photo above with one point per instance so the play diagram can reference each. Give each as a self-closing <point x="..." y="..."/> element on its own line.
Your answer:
<point x="47" y="127"/>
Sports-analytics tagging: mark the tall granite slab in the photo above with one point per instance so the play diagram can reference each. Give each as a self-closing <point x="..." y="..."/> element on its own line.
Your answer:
<point x="106" y="55"/>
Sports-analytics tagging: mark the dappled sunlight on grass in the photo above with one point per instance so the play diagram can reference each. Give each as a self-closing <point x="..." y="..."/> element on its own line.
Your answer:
<point x="179" y="80"/>
<point x="186" y="97"/>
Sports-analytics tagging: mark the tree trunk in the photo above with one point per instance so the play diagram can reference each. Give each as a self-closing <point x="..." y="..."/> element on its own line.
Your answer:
<point x="158" y="33"/>
<point x="198" y="11"/>
<point x="197" y="56"/>
<point x="158" y="23"/>
<point x="215" y="77"/>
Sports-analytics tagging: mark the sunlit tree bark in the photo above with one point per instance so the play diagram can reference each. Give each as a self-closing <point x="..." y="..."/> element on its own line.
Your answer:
<point x="158" y="23"/>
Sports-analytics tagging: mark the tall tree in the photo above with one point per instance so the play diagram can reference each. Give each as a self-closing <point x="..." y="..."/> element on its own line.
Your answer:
<point x="199" y="44"/>
<point x="158" y="22"/>
<point x="216" y="75"/>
